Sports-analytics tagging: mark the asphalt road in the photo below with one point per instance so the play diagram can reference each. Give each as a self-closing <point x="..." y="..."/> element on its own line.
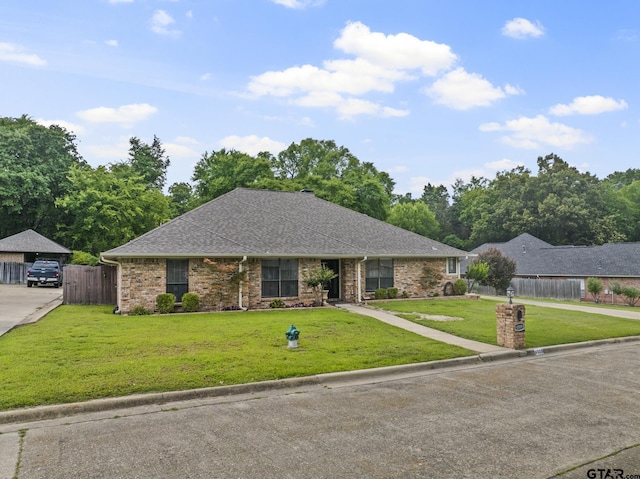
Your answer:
<point x="531" y="417"/>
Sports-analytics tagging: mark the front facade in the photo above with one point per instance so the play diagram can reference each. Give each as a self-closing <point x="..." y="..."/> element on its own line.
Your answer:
<point x="248" y="248"/>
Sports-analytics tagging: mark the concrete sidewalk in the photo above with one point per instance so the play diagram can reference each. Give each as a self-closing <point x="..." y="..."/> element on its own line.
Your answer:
<point x="425" y="331"/>
<point x="617" y="313"/>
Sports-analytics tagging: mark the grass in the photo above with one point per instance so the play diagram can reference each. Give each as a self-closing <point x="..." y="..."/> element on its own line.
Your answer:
<point x="78" y="353"/>
<point x="544" y="326"/>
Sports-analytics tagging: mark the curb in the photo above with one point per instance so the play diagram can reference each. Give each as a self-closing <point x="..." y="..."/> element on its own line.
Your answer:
<point x="373" y="375"/>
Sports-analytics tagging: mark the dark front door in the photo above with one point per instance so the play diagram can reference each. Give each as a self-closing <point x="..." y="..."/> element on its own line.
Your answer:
<point x="334" y="285"/>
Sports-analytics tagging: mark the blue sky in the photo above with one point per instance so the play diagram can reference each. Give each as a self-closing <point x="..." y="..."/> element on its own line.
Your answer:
<point x="427" y="90"/>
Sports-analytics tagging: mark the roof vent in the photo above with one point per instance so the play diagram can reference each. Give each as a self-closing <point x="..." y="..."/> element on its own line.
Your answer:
<point x="307" y="191"/>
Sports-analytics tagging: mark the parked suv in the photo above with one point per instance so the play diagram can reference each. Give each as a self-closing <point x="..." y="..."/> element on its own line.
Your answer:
<point x="45" y="272"/>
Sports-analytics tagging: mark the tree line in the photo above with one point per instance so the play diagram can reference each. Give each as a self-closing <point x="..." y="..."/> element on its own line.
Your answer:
<point x="47" y="186"/>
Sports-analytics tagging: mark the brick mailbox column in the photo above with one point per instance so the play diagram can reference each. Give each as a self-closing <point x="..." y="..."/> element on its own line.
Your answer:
<point x="510" y="325"/>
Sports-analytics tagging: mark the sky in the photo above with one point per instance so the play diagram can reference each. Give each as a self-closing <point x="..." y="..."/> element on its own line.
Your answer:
<point x="427" y="90"/>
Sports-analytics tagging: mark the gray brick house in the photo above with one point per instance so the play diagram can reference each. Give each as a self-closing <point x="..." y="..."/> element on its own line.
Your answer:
<point x="271" y="239"/>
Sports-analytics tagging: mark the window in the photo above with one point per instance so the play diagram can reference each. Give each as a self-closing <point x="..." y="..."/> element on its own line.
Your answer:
<point x="379" y="274"/>
<point x="452" y="265"/>
<point x="178" y="277"/>
<point x="279" y="278"/>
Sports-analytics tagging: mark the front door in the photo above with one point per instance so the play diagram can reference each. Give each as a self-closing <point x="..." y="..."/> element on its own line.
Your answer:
<point x="334" y="284"/>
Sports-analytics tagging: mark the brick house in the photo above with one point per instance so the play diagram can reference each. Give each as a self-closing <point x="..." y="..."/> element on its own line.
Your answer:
<point x="271" y="239"/>
<point x="537" y="259"/>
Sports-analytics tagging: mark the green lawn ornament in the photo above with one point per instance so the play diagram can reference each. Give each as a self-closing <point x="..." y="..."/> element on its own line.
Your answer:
<point x="292" y="335"/>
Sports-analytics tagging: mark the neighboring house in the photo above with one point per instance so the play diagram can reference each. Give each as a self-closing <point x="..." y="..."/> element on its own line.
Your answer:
<point x="28" y="246"/>
<point x="611" y="262"/>
<point x="272" y="239"/>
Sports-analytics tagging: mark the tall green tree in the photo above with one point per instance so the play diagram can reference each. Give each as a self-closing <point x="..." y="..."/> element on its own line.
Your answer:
<point x="180" y="198"/>
<point x="149" y="161"/>
<point x="416" y="217"/>
<point x="34" y="164"/>
<point x="502" y="269"/>
<point x="223" y="171"/>
<point x="108" y="208"/>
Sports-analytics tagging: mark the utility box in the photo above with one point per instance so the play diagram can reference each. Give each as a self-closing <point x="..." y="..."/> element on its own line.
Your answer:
<point x="510" y="325"/>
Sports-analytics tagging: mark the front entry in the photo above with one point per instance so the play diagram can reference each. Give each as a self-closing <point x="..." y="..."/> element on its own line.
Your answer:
<point x="334" y="284"/>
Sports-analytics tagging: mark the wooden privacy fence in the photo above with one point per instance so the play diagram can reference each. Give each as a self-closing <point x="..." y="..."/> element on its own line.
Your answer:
<point x="13" y="273"/>
<point x="541" y="288"/>
<point x="89" y="284"/>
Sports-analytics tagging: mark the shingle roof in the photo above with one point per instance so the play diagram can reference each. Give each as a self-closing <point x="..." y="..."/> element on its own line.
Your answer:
<point x="276" y="223"/>
<point x="30" y="241"/>
<point x="535" y="257"/>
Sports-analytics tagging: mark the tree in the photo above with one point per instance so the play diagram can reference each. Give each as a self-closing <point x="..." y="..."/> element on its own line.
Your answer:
<point x="223" y="171"/>
<point x="318" y="279"/>
<point x="437" y="198"/>
<point x="477" y="272"/>
<point x="149" y="161"/>
<point x="595" y="287"/>
<point x="34" y="164"/>
<point x="501" y="269"/>
<point x="416" y="217"/>
<point x="108" y="208"/>
<point x="180" y="198"/>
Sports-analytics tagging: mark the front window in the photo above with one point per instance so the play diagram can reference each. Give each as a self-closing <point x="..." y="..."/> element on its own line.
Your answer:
<point x="452" y="265"/>
<point x="178" y="277"/>
<point x="279" y="278"/>
<point x="379" y="274"/>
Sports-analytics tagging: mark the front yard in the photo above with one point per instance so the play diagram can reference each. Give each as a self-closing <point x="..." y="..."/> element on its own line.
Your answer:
<point x="544" y="326"/>
<point x="78" y="353"/>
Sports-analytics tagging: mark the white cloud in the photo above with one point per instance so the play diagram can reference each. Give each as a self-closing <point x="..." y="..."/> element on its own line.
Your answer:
<point x="299" y="4"/>
<point x="160" y="23"/>
<point x="112" y="151"/>
<point x="461" y="90"/>
<point x="126" y="114"/>
<point x="588" y="105"/>
<point x="10" y="52"/>
<point x="252" y="144"/>
<point x="536" y="133"/>
<point x="398" y="52"/>
<point x="180" y="151"/>
<point x="380" y="62"/>
<point x="522" y="28"/>
<point x="186" y="139"/>
<point x="72" y="127"/>
<point x="501" y="165"/>
<point x="189" y="14"/>
<point x="111" y="43"/>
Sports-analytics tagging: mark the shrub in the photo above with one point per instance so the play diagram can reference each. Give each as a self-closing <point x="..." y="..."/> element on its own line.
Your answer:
<point x="631" y="294"/>
<point x="405" y="295"/>
<point x="140" y="311"/>
<point x="82" y="257"/>
<point x="165" y="302"/>
<point x="190" y="302"/>
<point x="392" y="293"/>
<point x="594" y="286"/>
<point x="459" y="287"/>
<point x="381" y="293"/>
<point x="276" y="303"/>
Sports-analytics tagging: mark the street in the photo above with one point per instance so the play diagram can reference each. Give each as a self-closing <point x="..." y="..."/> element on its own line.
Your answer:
<point x="531" y="417"/>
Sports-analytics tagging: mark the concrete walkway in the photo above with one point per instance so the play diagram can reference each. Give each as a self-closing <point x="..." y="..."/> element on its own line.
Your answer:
<point x="425" y="331"/>
<point x="22" y="305"/>
<point x="631" y="313"/>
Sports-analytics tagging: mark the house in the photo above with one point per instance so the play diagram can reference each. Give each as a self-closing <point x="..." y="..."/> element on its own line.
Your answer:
<point x="268" y="241"/>
<point x="610" y="262"/>
<point x="19" y="251"/>
<point x="28" y="246"/>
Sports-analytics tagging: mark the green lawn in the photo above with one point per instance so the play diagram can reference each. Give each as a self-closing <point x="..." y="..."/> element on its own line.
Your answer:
<point x="78" y="353"/>
<point x="544" y="326"/>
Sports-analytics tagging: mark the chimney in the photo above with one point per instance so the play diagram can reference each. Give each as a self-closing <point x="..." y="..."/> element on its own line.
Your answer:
<point x="308" y="192"/>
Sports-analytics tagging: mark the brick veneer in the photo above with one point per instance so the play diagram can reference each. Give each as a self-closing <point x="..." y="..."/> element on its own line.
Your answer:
<point x="506" y="318"/>
<point x="143" y="279"/>
<point x="12" y="258"/>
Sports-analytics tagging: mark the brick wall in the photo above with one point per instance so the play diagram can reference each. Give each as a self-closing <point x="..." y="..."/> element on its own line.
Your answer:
<point x="11" y="257"/>
<point x="142" y="280"/>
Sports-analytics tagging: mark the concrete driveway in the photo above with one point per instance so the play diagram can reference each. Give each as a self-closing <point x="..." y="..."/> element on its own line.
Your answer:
<point x="20" y="305"/>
